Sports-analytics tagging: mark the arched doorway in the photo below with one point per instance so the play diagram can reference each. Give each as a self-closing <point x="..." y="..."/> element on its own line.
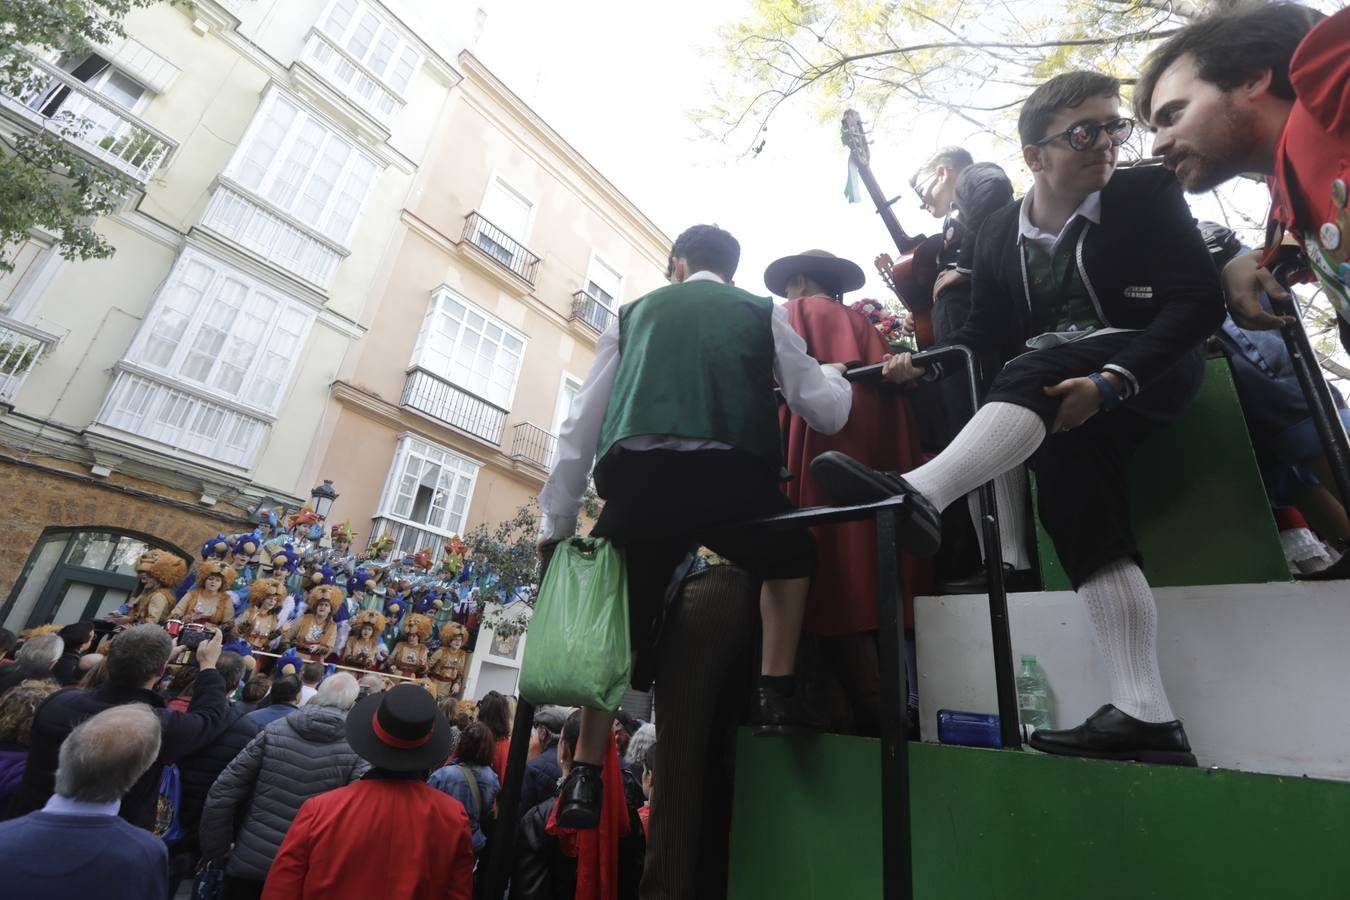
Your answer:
<point x="75" y="574"/>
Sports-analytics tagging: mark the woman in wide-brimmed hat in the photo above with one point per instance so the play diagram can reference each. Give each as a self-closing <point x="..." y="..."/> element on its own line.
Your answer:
<point x="842" y="608"/>
<point x="339" y="847"/>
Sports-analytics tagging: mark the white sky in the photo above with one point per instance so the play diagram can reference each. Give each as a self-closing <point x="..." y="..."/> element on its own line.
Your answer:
<point x="618" y="79"/>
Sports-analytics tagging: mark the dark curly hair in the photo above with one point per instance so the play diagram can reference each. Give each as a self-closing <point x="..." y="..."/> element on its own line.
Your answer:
<point x="476" y="745"/>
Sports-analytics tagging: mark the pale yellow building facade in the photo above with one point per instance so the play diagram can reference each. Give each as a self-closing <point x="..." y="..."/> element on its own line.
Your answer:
<point x="302" y="175"/>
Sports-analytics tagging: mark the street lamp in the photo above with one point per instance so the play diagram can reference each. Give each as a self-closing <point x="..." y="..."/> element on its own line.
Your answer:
<point x="323" y="497"/>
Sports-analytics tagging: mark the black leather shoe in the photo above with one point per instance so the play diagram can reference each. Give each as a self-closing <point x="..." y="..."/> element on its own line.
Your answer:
<point x="579" y="797"/>
<point x="1111" y="734"/>
<point x="773" y="714"/>
<point x="850" y="483"/>
<point x="977" y="582"/>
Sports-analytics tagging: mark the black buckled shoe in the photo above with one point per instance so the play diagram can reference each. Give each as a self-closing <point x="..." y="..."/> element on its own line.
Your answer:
<point x="773" y="714"/>
<point x="850" y="483"/>
<point x="579" y="797"/>
<point x="1111" y="734"/>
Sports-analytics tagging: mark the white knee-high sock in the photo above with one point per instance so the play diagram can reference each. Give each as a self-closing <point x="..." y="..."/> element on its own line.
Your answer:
<point x="998" y="437"/>
<point x="1010" y="495"/>
<point x="1125" y="620"/>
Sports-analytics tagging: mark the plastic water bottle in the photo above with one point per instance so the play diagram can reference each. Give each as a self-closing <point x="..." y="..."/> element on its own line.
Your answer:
<point x="1033" y="696"/>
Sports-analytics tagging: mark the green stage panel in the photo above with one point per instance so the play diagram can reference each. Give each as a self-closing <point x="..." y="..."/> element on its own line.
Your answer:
<point x="1199" y="508"/>
<point x="1007" y="825"/>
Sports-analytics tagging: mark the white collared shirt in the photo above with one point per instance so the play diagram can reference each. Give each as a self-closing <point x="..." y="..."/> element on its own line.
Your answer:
<point x="1090" y="209"/>
<point x="69" y="806"/>
<point x="819" y="394"/>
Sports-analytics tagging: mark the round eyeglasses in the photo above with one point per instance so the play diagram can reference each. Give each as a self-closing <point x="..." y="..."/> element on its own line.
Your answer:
<point x="1083" y="136"/>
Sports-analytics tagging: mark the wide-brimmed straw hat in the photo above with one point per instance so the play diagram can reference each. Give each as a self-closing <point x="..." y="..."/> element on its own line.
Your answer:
<point x="400" y="730"/>
<point x="829" y="271"/>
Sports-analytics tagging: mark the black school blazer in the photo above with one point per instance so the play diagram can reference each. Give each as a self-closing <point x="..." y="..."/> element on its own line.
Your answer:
<point x="1145" y="266"/>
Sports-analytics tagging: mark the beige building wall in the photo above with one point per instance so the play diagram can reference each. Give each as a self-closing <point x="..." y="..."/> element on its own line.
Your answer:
<point x="487" y="133"/>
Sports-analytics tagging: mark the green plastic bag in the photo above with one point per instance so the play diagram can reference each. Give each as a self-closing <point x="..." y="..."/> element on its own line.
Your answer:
<point x="578" y="652"/>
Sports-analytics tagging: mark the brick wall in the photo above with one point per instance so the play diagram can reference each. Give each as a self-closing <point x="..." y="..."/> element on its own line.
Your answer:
<point x="35" y="500"/>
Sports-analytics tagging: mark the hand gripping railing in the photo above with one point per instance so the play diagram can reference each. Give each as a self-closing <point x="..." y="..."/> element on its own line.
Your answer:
<point x="897" y="871"/>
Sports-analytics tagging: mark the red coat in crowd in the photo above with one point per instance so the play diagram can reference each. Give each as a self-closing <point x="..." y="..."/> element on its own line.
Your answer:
<point x="341" y="846"/>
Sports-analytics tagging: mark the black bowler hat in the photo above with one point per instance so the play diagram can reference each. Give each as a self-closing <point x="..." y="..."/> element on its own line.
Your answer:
<point x="821" y="266"/>
<point x="400" y="730"/>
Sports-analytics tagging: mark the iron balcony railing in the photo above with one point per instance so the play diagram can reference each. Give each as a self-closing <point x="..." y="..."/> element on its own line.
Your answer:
<point x="500" y="246"/>
<point x="410" y="538"/>
<point x="533" y="444"/>
<point x="586" y="308"/>
<point x="453" y="405"/>
<point x="54" y="101"/>
<point x="21" y="348"/>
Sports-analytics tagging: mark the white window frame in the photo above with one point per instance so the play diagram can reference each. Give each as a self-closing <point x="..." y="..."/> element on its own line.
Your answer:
<point x="279" y="157"/>
<point x="413" y="445"/>
<point x="497" y="181"/>
<point x="428" y="332"/>
<point x="221" y="271"/>
<point x="36" y="277"/>
<point x="566" y="379"/>
<point x="401" y="45"/>
<point x="599" y="261"/>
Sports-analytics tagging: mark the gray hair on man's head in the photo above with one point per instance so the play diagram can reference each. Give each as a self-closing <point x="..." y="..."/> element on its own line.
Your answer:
<point x="642" y="739"/>
<point x="138" y="655"/>
<point x="41" y="651"/>
<point x="104" y="756"/>
<point x="338" y="691"/>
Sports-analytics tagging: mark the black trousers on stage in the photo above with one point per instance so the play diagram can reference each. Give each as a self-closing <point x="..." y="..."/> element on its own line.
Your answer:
<point x="1082" y="475"/>
<point x="664" y="503"/>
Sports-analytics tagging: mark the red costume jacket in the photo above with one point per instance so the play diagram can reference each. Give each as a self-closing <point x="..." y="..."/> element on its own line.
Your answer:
<point x="881" y="433"/>
<point x="339" y="846"/>
<point x="1313" y="155"/>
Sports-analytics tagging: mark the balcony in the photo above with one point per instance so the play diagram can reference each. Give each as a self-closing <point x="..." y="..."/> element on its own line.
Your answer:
<point x="497" y="244"/>
<point x="586" y="308"/>
<point x="532" y="444"/>
<point x="21" y="349"/>
<point x="151" y="410"/>
<point x="235" y="214"/>
<point x="409" y="538"/>
<point x="353" y="80"/>
<point x="54" y="101"/>
<point x="454" y="406"/>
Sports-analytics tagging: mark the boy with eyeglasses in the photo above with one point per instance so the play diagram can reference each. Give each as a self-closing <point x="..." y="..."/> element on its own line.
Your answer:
<point x="1102" y="275"/>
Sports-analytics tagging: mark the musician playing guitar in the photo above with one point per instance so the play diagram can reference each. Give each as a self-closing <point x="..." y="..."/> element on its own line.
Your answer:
<point x="912" y="277"/>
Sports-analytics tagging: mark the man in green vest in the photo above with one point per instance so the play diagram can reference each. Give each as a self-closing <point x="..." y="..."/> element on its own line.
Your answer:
<point x="680" y="418"/>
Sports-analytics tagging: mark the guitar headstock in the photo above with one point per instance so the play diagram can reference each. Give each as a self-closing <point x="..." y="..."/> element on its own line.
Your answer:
<point x="854" y="138"/>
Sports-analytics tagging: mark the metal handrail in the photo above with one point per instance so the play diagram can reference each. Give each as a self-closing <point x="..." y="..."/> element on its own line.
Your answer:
<point x="1325" y="415"/>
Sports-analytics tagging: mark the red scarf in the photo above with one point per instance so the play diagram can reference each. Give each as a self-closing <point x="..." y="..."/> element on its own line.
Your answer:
<point x="596" y="850"/>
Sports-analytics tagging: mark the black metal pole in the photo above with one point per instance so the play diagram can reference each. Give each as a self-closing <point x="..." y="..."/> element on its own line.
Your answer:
<point x="1316" y="391"/>
<point x="897" y="870"/>
<point x="508" y="804"/>
<point x="1005" y="684"/>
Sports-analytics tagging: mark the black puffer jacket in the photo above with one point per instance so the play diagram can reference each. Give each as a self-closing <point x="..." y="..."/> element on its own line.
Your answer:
<point x="199" y="771"/>
<point x="300" y="756"/>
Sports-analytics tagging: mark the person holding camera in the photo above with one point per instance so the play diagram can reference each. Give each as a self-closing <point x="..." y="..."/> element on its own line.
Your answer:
<point x="135" y="662"/>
